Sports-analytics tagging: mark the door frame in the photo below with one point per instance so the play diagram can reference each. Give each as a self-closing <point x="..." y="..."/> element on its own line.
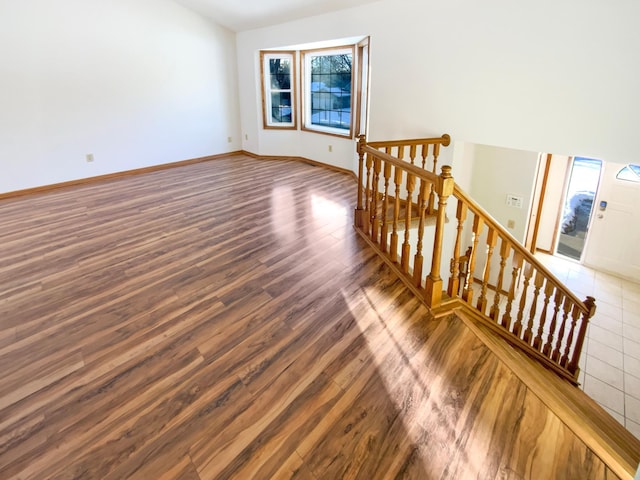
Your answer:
<point x="538" y="203"/>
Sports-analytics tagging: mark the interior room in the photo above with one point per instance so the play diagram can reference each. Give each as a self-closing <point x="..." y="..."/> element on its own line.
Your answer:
<point x="138" y="134"/>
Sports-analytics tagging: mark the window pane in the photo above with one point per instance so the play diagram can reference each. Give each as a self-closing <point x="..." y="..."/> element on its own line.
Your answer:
<point x="280" y="73"/>
<point x="281" y="107"/>
<point x="630" y="173"/>
<point x="281" y="99"/>
<point x="330" y="87"/>
<point x="325" y="81"/>
<point x="325" y="66"/>
<point x="279" y="65"/>
<point x="281" y="82"/>
<point x="281" y="114"/>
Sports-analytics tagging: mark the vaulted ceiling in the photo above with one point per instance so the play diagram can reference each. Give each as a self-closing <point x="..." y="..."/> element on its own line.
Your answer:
<point x="239" y="15"/>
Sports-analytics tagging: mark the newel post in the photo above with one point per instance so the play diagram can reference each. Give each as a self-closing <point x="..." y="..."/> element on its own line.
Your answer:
<point x="360" y="211"/>
<point x="433" y="284"/>
<point x="590" y="303"/>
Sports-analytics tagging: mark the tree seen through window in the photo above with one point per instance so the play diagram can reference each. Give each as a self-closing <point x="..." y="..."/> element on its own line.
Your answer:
<point x="280" y="79"/>
<point x="278" y="89"/>
<point x="330" y="88"/>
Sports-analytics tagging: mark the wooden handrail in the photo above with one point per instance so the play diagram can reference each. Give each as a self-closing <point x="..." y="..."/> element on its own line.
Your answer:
<point x="412" y="169"/>
<point x="516" y="245"/>
<point x="444" y="140"/>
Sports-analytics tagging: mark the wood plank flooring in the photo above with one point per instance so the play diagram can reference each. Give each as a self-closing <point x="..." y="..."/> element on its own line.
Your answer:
<point x="223" y="320"/>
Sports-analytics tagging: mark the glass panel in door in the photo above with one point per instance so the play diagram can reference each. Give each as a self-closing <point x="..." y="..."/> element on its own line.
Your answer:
<point x="578" y="206"/>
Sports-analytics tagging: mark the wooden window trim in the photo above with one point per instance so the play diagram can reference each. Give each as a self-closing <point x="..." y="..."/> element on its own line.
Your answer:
<point x="363" y="100"/>
<point x="265" y="91"/>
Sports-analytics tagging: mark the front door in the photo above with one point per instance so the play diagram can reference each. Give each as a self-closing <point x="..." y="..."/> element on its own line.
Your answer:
<point x="615" y="230"/>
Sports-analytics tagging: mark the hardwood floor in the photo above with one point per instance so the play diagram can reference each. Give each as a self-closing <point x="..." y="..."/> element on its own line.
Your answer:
<point x="223" y="320"/>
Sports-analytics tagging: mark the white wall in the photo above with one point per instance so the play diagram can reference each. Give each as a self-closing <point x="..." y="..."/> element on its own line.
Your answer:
<point x="496" y="172"/>
<point x="541" y="76"/>
<point x="463" y="163"/>
<point x="135" y="82"/>
<point x="501" y="171"/>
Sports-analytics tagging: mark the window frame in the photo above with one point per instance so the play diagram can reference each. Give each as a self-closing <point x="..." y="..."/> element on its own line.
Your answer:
<point x="267" y="90"/>
<point x="361" y="105"/>
<point x="306" y="56"/>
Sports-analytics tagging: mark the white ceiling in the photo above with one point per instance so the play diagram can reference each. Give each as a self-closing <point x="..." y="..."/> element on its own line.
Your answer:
<point x="239" y="15"/>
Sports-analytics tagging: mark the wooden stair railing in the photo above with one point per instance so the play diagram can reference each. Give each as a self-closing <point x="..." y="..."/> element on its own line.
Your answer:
<point x="489" y="271"/>
<point x="417" y="152"/>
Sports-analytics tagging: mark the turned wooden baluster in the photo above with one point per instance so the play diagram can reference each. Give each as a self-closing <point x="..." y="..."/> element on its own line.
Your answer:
<point x="412" y="153"/>
<point x="537" y="283"/>
<point x="401" y="153"/>
<point x="566" y="308"/>
<point x="463" y="265"/>
<point x="418" y="258"/>
<point x="393" y="248"/>
<point x="454" y="267"/>
<point x="424" y="150"/>
<point x="433" y="283"/>
<point x="478" y="224"/>
<point x="548" y="291"/>
<point x="430" y="203"/>
<point x="360" y="209"/>
<point x="528" y="272"/>
<point x="505" y="250"/>
<point x="404" y="260"/>
<point x="385" y="207"/>
<point x="375" y="220"/>
<point x="590" y="303"/>
<point x="517" y="265"/>
<point x="436" y="152"/>
<point x="575" y="314"/>
<point x="368" y="195"/>
<point x="557" y="304"/>
<point x="492" y="239"/>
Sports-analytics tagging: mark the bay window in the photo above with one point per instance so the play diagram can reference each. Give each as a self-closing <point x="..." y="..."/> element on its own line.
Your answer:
<point x="334" y="88"/>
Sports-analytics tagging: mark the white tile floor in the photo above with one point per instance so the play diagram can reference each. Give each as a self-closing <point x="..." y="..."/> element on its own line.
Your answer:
<point x="610" y="366"/>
